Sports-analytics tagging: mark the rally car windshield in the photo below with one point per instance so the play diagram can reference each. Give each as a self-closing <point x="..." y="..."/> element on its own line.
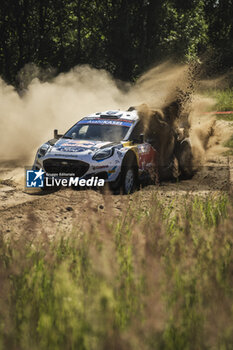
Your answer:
<point x="97" y="132"/>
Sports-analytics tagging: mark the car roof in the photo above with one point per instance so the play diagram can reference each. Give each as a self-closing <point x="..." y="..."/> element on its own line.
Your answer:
<point x="114" y="114"/>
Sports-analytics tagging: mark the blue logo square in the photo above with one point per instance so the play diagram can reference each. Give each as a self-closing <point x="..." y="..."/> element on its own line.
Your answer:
<point x="34" y="178"/>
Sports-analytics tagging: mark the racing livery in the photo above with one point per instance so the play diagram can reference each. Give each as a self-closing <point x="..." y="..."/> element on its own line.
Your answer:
<point x="109" y="145"/>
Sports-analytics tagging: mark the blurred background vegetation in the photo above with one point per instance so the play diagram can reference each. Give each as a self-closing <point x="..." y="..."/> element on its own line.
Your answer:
<point x="124" y="37"/>
<point x="150" y="279"/>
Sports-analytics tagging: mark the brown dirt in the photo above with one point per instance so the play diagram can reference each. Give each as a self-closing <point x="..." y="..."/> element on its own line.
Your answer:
<point x="59" y="211"/>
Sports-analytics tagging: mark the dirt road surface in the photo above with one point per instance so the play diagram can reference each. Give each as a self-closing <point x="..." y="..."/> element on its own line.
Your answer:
<point x="61" y="210"/>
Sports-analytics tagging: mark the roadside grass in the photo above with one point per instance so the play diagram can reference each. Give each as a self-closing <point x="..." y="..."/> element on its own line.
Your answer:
<point x="151" y="280"/>
<point x="224" y="100"/>
<point x="229" y="144"/>
<point x="227" y="117"/>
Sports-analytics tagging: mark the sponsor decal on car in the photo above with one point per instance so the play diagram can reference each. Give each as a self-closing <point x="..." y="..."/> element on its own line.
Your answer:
<point x="147" y="156"/>
<point x="106" y="122"/>
<point x="112" y="171"/>
<point x="71" y="149"/>
<point x="60" y="155"/>
<point x="120" y="154"/>
<point x="74" y="146"/>
<point x="100" y="167"/>
<point x="78" y="146"/>
<point x="145" y="148"/>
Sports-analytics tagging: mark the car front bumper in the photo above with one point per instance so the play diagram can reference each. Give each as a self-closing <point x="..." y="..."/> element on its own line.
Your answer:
<point x="60" y="166"/>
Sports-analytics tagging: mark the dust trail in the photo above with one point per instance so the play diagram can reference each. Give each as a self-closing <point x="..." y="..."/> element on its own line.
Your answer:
<point x="27" y="121"/>
<point x="181" y="111"/>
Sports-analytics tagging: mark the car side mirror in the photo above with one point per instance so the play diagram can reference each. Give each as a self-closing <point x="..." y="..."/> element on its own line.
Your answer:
<point x="56" y="135"/>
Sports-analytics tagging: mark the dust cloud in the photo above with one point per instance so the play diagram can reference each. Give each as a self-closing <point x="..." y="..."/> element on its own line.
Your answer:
<point x="182" y="109"/>
<point x="28" y="120"/>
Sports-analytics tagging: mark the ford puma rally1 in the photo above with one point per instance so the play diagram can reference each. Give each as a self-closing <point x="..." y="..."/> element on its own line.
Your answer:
<point x="108" y="145"/>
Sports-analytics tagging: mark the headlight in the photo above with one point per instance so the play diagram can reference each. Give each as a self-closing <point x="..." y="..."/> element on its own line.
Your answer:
<point x="103" y="154"/>
<point x="43" y="150"/>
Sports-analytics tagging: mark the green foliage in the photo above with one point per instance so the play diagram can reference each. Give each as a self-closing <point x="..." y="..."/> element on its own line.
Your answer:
<point x="185" y="29"/>
<point x="123" y="37"/>
<point x="229" y="144"/>
<point x="144" y="281"/>
<point x="224" y="100"/>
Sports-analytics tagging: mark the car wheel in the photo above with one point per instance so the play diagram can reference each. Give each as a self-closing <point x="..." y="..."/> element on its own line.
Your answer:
<point x="129" y="178"/>
<point x="186" y="160"/>
<point x="127" y="181"/>
<point x="170" y="171"/>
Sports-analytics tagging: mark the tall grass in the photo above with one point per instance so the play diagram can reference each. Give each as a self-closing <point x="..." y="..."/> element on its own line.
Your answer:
<point x="145" y="281"/>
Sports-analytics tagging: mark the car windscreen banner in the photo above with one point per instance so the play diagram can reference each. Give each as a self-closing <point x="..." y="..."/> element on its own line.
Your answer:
<point x="106" y="122"/>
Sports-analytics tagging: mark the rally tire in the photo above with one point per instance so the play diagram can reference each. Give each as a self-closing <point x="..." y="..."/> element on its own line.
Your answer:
<point x="129" y="175"/>
<point x="175" y="169"/>
<point x="185" y="158"/>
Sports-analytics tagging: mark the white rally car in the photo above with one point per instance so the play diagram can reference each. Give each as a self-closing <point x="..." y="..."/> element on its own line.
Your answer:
<point x="109" y="145"/>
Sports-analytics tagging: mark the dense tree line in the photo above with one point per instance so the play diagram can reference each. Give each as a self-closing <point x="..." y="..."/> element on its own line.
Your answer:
<point x="125" y="36"/>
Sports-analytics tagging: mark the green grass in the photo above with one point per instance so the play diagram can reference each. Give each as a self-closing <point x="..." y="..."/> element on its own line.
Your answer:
<point x="229" y="144"/>
<point x="224" y="100"/>
<point x="227" y="117"/>
<point x="150" y="280"/>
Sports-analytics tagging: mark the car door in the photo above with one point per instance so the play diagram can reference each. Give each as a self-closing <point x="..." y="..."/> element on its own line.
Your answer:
<point x="147" y="155"/>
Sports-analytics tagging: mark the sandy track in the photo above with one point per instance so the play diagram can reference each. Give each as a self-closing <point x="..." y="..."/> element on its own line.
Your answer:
<point x="60" y="210"/>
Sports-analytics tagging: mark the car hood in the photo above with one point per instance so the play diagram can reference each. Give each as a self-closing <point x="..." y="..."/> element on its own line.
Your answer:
<point x="79" y="146"/>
